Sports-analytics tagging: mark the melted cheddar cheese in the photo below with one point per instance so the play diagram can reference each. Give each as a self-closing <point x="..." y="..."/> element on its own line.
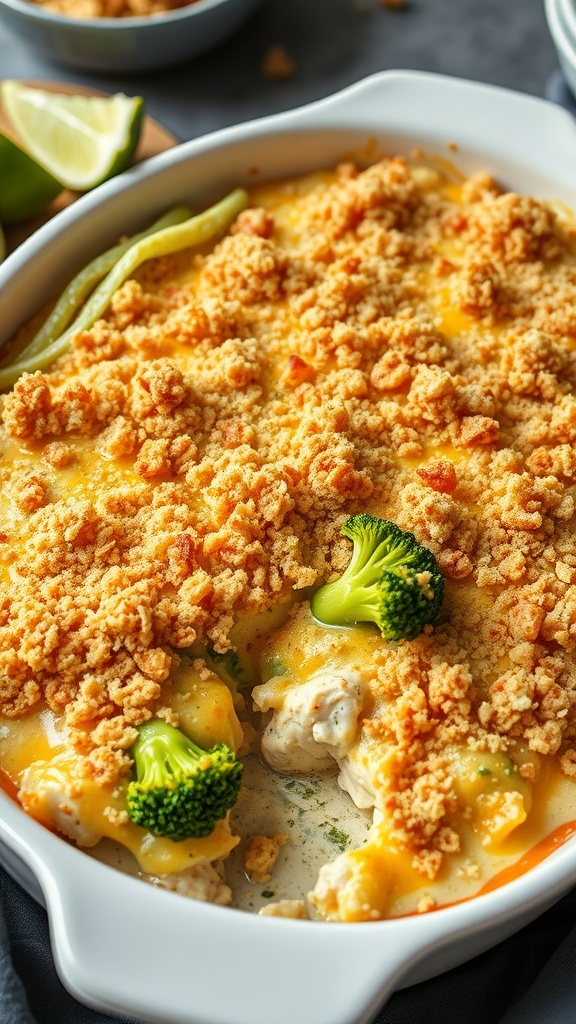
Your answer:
<point x="48" y="777"/>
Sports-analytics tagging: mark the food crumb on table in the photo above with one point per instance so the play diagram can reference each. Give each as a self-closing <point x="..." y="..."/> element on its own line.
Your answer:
<point x="277" y="63"/>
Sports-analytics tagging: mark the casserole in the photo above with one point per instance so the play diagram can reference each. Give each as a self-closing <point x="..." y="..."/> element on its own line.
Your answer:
<point x="353" y="968"/>
<point x="109" y="45"/>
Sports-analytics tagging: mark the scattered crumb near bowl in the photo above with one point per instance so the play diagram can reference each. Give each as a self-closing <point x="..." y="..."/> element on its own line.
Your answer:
<point x="285" y="908"/>
<point x="277" y="63"/>
<point x="110" y="8"/>
<point x="261" y="854"/>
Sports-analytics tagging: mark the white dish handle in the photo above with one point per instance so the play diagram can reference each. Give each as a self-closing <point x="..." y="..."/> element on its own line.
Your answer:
<point x="192" y="963"/>
<point x="122" y="945"/>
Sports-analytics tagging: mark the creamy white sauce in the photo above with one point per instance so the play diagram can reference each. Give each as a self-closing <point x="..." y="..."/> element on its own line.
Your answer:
<point x="318" y="818"/>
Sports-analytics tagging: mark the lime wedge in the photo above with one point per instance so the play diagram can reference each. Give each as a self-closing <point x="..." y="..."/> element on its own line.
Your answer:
<point x="81" y="140"/>
<point x="25" y="187"/>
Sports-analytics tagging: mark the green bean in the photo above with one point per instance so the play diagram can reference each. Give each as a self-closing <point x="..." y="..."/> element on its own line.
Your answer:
<point x="169" y="240"/>
<point x="84" y="283"/>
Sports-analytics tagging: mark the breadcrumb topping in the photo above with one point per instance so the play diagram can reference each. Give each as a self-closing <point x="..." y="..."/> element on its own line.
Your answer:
<point x="377" y="340"/>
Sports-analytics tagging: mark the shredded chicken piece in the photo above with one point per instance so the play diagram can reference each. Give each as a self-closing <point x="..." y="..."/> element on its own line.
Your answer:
<point x="347" y="891"/>
<point x="313" y="724"/>
<point x="54" y="797"/>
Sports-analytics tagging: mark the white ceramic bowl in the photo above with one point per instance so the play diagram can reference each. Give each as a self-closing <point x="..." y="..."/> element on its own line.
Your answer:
<point x="561" y="18"/>
<point x="120" y="944"/>
<point x="126" y="44"/>
<point x="567" y="12"/>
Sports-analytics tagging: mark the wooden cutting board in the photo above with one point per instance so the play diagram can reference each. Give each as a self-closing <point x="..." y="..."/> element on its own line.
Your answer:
<point x="154" y="139"/>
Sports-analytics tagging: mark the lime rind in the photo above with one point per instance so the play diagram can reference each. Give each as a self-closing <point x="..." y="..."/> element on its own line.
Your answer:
<point x="26" y="187"/>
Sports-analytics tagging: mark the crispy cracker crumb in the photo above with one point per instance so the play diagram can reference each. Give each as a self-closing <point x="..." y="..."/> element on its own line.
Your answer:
<point x="261" y="854"/>
<point x="277" y="63"/>
<point x="111" y="8"/>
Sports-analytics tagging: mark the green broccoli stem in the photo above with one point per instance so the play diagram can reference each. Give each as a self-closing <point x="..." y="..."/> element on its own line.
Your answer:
<point x="354" y="596"/>
<point x="350" y="599"/>
<point x="391" y="580"/>
<point x="162" y="752"/>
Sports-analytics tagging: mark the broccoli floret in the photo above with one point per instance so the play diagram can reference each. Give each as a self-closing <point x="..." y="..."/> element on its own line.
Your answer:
<point x="180" y="791"/>
<point x="391" y="580"/>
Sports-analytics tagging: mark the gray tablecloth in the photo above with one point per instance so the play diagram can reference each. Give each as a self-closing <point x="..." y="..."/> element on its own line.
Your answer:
<point x="530" y="978"/>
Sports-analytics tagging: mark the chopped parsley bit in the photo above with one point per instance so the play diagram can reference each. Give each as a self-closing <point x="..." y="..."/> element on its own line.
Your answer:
<point x="267" y="893"/>
<point x="338" y="837"/>
<point x="484" y="771"/>
<point x="229" y="663"/>
<point x="301" y="788"/>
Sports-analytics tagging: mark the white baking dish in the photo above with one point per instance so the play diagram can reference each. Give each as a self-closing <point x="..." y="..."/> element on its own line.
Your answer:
<point x="120" y="944"/>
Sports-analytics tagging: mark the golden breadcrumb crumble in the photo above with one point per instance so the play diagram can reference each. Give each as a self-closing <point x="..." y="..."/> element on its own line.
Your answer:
<point x="261" y="854"/>
<point x="382" y="341"/>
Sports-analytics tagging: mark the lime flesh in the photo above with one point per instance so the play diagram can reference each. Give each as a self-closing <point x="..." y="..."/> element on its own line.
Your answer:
<point x="81" y="140"/>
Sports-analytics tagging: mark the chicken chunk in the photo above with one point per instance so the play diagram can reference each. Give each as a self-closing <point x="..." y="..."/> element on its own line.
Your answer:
<point x="51" y="795"/>
<point x="362" y="884"/>
<point x="313" y="724"/>
<point x="355" y="778"/>
<point x="348" y="890"/>
<point x="285" y="908"/>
